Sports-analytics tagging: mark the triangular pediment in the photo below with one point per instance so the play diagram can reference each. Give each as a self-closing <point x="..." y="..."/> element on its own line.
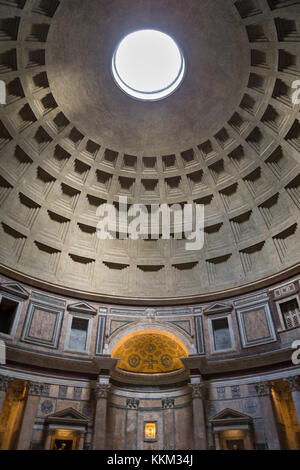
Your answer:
<point x="15" y="288"/>
<point x="228" y="415"/>
<point x="83" y="307"/>
<point x="68" y="414"/>
<point x="218" y="307"/>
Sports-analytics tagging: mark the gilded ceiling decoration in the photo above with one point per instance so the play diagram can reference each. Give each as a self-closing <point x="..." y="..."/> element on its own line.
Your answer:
<point x="150" y="353"/>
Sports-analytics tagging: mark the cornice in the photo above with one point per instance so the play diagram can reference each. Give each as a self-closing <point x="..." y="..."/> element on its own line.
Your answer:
<point x="265" y="282"/>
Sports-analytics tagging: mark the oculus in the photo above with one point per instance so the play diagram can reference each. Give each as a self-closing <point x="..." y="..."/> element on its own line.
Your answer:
<point x="148" y="65"/>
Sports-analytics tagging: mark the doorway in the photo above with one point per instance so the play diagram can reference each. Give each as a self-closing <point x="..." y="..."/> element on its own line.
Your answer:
<point x="233" y="439"/>
<point x="63" y="439"/>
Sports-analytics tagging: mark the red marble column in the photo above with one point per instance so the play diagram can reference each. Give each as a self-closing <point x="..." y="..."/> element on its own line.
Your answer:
<point x="100" y="424"/>
<point x="198" y="396"/>
<point x="264" y="390"/>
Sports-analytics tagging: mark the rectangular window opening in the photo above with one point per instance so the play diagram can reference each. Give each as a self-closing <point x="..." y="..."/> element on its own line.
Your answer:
<point x="8" y="309"/>
<point x="78" y="334"/>
<point x="222" y="339"/>
<point x="291" y="313"/>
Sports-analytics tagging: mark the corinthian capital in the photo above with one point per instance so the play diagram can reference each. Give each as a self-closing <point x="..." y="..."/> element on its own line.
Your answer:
<point x="102" y="390"/>
<point x="293" y="383"/>
<point x="168" y="403"/>
<point x="4" y="382"/>
<point x="35" y="388"/>
<point x="263" y="389"/>
<point x="198" y="391"/>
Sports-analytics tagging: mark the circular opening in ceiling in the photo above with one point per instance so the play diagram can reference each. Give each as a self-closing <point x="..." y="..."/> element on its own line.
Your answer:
<point x="148" y="65"/>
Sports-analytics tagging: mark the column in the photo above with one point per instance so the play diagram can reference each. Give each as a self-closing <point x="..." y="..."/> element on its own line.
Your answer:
<point x="217" y="440"/>
<point x="294" y="386"/>
<point x="34" y="390"/>
<point x="81" y="440"/>
<point x="198" y="396"/>
<point x="4" y="383"/>
<point x="264" y="390"/>
<point x="132" y="406"/>
<point x="48" y="439"/>
<point x="249" y="441"/>
<point x="169" y="423"/>
<point x="100" y="425"/>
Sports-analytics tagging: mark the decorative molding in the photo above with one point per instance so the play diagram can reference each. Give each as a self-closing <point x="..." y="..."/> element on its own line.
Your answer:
<point x="252" y="299"/>
<point x="150" y="312"/>
<point x="47" y="407"/>
<point x="167" y="312"/>
<point x="183" y="325"/>
<point x="48" y="300"/>
<point x="284" y="291"/>
<point x="126" y="311"/>
<point x="116" y="325"/>
<point x="142" y="301"/>
<point x="49" y="380"/>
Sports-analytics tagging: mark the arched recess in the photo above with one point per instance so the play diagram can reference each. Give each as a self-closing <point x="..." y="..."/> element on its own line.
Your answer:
<point x="142" y="325"/>
<point x="150" y="351"/>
